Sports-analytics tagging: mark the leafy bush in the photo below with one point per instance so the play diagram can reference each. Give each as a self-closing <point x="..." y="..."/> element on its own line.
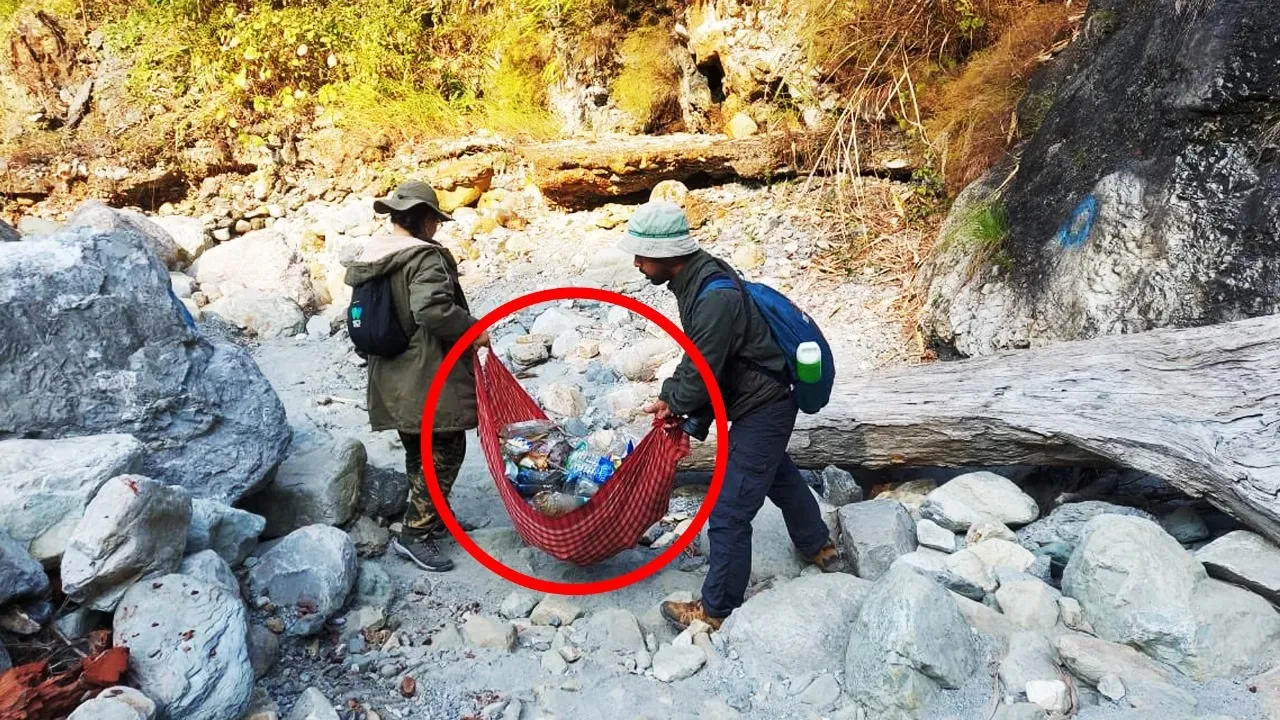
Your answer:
<point x="648" y="85"/>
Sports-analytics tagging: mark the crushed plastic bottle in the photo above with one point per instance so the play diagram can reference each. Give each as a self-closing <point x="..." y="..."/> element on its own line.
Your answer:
<point x="556" y="503"/>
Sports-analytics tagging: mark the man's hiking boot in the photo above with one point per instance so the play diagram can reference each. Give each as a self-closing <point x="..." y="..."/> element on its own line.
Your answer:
<point x="423" y="552"/>
<point x="828" y="559"/>
<point x="682" y="614"/>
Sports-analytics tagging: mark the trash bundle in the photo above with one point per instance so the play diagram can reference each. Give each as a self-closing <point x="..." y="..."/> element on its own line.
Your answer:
<point x="556" y="473"/>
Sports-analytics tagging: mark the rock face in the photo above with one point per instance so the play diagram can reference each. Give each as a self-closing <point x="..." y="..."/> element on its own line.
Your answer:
<point x="133" y="528"/>
<point x="1246" y="559"/>
<point x="971" y="497"/>
<point x="320" y="486"/>
<point x="228" y="531"/>
<point x="261" y="260"/>
<point x="187" y="647"/>
<point x="801" y="623"/>
<point x="908" y="641"/>
<point x="1138" y="586"/>
<point x="209" y="567"/>
<point x="21" y="577"/>
<point x="45" y="484"/>
<point x="94" y="344"/>
<point x="309" y="575"/>
<point x="187" y="233"/>
<point x="1063" y="526"/>
<point x="874" y="533"/>
<point x="1118" y="222"/>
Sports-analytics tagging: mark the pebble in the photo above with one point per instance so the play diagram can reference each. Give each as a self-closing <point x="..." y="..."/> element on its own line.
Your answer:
<point x="275" y="625"/>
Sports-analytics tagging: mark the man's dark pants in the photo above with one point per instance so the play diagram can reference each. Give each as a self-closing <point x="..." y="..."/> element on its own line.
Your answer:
<point x="758" y="468"/>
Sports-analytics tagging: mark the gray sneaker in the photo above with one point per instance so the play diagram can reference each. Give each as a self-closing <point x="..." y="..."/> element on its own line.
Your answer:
<point x="423" y="552"/>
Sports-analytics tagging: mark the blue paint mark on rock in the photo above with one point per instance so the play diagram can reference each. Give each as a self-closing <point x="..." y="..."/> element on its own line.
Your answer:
<point x="1075" y="231"/>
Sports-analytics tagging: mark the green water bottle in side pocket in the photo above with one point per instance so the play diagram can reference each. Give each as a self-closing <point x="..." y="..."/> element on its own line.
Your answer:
<point x="808" y="368"/>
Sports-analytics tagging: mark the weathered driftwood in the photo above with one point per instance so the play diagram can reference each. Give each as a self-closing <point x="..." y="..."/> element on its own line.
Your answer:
<point x="1199" y="407"/>
<point x="585" y="173"/>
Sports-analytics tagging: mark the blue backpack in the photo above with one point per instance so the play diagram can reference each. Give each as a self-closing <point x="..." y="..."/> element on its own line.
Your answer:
<point x="790" y="326"/>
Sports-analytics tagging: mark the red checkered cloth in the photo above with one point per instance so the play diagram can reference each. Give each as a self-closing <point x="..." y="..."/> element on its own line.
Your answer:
<point x="617" y="515"/>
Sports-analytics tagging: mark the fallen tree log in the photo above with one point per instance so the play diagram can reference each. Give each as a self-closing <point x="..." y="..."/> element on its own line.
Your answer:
<point x="580" y="174"/>
<point x="1198" y="407"/>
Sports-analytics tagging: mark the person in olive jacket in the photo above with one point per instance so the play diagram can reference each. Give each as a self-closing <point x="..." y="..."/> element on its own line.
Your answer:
<point x="434" y="313"/>
<point x="735" y="339"/>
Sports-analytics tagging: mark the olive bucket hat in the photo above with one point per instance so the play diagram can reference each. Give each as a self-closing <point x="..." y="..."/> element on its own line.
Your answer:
<point x="658" y="229"/>
<point x="408" y="194"/>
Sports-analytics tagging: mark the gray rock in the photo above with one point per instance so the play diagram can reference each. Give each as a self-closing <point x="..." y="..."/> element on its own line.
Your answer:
<point x="308" y="575"/>
<point x="677" y="662"/>
<point x="1147" y="683"/>
<point x="1027" y="602"/>
<point x="1064" y="524"/>
<point x="529" y="350"/>
<point x="31" y="227"/>
<point x="373" y="594"/>
<point x="95" y="216"/>
<point x="1072" y="614"/>
<point x="839" y="487"/>
<point x="45" y="485"/>
<point x="566" y="343"/>
<point x="517" y="604"/>
<point x="933" y="565"/>
<point x="209" y="566"/>
<point x="187" y="233"/>
<point x="486" y="632"/>
<point x="1185" y="525"/>
<point x="555" y="321"/>
<point x="971" y="497"/>
<point x="1030" y="659"/>
<point x="105" y="709"/>
<point x="640" y="361"/>
<point x="562" y="399"/>
<point x="1234" y="628"/>
<point x="988" y="528"/>
<point x="143" y="705"/>
<point x="96" y="306"/>
<point x="799" y="624"/>
<point x="612" y="631"/>
<point x="554" y="663"/>
<point x="1052" y="695"/>
<point x="1111" y="687"/>
<point x="873" y="534"/>
<point x="228" y="531"/>
<point x="1245" y="559"/>
<point x="261" y="260"/>
<point x="1020" y="711"/>
<point x="127" y="533"/>
<point x="319" y="486"/>
<point x="21" y="577"/>
<point x="384" y="493"/>
<point x="370" y="538"/>
<point x="8" y="233"/>
<point x="555" y="610"/>
<point x="934" y="536"/>
<point x="312" y="705"/>
<point x="976" y="565"/>
<point x="78" y="623"/>
<point x="187" y="643"/>
<point x="264" y="650"/>
<point x="260" y="313"/>
<point x="822" y="692"/>
<point x="907" y="641"/>
<point x="183" y="285"/>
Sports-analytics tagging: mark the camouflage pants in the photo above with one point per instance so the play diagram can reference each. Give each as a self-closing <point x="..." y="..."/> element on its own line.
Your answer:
<point x="448" y="450"/>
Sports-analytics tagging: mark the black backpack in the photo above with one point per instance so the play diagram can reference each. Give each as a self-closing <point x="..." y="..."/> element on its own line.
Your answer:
<point x="372" y="321"/>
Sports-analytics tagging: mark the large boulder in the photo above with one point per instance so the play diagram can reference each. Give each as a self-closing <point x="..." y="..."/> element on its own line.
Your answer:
<point x="21" y="577"/>
<point x="1059" y="532"/>
<point x="264" y="314"/>
<point x="188" y="647"/>
<point x="228" y="531"/>
<point x="319" y="486"/>
<point x="96" y="216"/>
<point x="261" y="260"/>
<point x="907" y="642"/>
<point x="133" y="528"/>
<point x="308" y="576"/>
<point x="1138" y="586"/>
<point x="1147" y="683"/>
<point x="95" y="344"/>
<point x="45" y="484"/>
<point x="188" y="234"/>
<point x="971" y="497"/>
<point x="799" y="624"/>
<point x="1246" y="559"/>
<point x="1118" y="221"/>
<point x="209" y="566"/>
<point x="875" y="533"/>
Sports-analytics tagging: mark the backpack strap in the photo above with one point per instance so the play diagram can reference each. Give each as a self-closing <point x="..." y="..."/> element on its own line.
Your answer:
<point x="728" y="281"/>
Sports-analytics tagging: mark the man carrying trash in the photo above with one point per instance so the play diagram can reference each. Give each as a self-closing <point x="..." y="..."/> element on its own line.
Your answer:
<point x="731" y="333"/>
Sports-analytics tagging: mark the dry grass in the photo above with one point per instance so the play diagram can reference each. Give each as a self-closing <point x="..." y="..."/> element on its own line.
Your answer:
<point x="648" y="85"/>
